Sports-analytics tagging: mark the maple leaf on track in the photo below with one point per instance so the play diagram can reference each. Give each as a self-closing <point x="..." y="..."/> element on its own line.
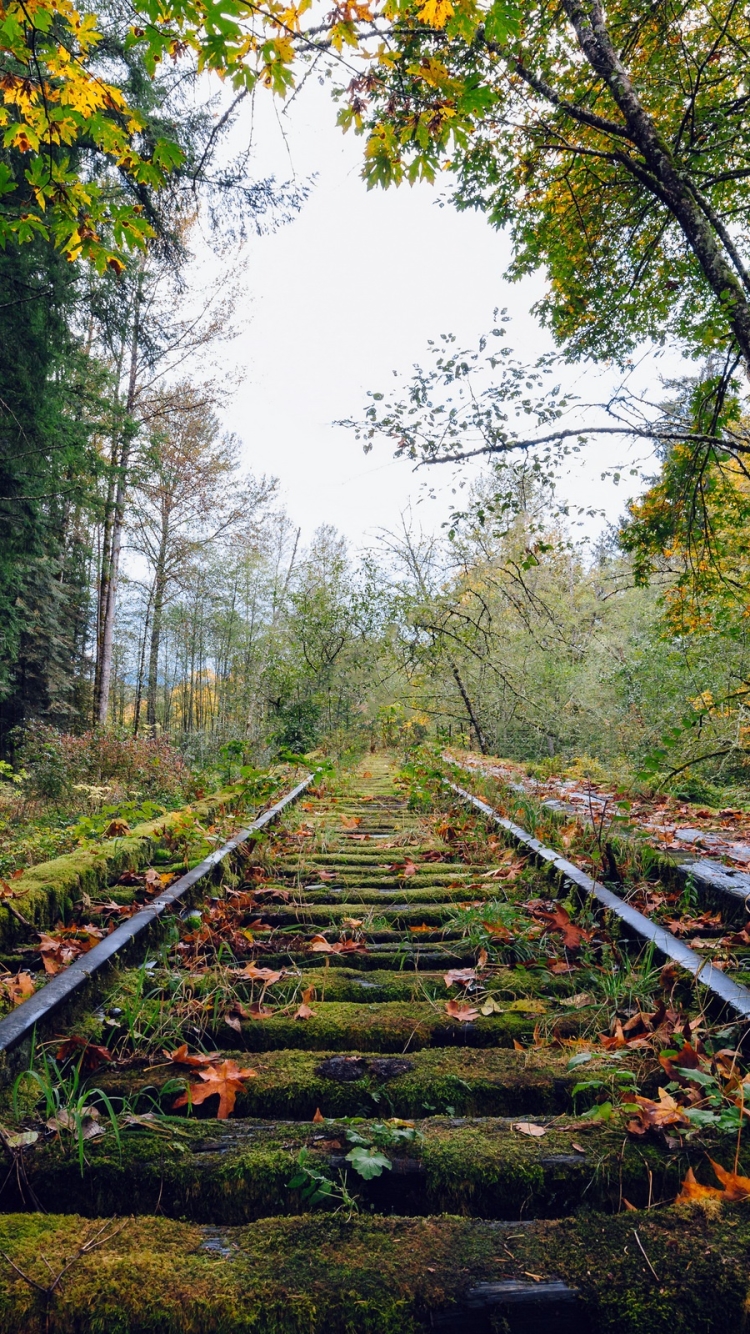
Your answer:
<point x="403" y="869"/>
<point x="735" y="1187"/>
<point x="463" y="1013"/>
<point x="559" y="920"/>
<point x="226" y="1079"/>
<point x="350" y="821"/>
<point x="657" y="1115"/>
<point x="18" y="988"/>
<point x="254" y="974"/>
<point x="182" y="1057"/>
<point x="326" y="875"/>
<point x="304" y="1012"/>
<point x="460" y="977"/>
<point x="92" y="1056"/>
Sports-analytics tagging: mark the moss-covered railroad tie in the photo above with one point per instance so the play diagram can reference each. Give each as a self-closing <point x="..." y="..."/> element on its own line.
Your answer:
<point x="361" y="1087"/>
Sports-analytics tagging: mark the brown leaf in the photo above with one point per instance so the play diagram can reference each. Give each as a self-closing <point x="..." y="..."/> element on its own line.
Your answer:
<point x="350" y="821"/>
<point x="181" y="1057"/>
<point x="267" y="975"/>
<point x="225" y="1079"/>
<point x="460" y="977"/>
<point x="326" y="875"/>
<point x="558" y="919"/>
<point x="117" y="829"/>
<point x="256" y="1010"/>
<point x="92" y="1056"/>
<point x="530" y="1128"/>
<point x="318" y="1115"/>
<point x="308" y="995"/>
<point x="423" y="927"/>
<point x="18" y="987"/>
<point x="460" y="1011"/>
<point x="657" y="1115"/>
<point x="233" y="1021"/>
<point x="304" y="1012"/>
<point x="482" y="959"/>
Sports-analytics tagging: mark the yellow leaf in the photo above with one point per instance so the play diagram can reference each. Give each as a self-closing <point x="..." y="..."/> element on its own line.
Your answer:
<point x="436" y="12"/>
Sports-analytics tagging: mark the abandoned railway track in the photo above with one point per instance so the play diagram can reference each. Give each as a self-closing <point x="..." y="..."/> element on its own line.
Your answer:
<point x="387" y="1076"/>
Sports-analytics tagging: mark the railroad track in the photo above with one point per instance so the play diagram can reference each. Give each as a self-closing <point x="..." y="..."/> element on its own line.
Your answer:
<point x="373" y="1083"/>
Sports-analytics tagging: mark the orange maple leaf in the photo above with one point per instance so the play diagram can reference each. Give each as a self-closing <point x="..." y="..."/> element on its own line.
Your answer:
<point x="226" y="1079"/>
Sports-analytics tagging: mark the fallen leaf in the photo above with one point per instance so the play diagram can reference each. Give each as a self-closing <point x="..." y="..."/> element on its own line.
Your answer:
<point x="460" y="977"/>
<point x="579" y="1000"/>
<point x="527" y="1006"/>
<point x="92" y="1056"/>
<point x="182" y="1057"/>
<point x="304" y="1012"/>
<point x="350" y="821"/>
<point x="423" y="927"/>
<point x="308" y="995"/>
<point x="267" y="975"/>
<point x="657" y="1115"/>
<point x="352" y="922"/>
<point x="558" y="919"/>
<point x="460" y="1011"/>
<point x="233" y="1021"/>
<point x="225" y="1079"/>
<point x="530" y="1128"/>
<point x="257" y="1010"/>
<point x="318" y="1115"/>
<point x="482" y="959"/>
<point x="578" y="1147"/>
<point x="18" y="987"/>
<point x="21" y="1139"/>
<point x="326" y="875"/>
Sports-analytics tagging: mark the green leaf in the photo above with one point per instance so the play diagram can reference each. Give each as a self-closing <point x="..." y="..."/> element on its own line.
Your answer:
<point x="503" y="21"/>
<point x="368" y="1163"/>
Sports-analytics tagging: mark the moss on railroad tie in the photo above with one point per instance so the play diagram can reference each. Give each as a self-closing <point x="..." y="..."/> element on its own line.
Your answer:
<point x="323" y="1275"/>
<point x="394" y="1026"/>
<point x="469" y="1082"/>
<point x="236" y="1171"/>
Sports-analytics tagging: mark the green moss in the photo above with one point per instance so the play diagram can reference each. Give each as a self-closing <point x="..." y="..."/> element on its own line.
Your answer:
<point x="474" y="1082"/>
<point x="367" y="1275"/>
<point x="236" y="1171"/>
<point x="52" y="889"/>
<point x="391" y="1026"/>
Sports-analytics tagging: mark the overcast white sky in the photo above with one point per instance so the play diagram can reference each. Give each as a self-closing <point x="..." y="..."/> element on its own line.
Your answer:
<point x="348" y="292"/>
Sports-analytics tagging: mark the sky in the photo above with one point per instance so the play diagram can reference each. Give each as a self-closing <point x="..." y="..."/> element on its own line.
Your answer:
<point x="342" y="296"/>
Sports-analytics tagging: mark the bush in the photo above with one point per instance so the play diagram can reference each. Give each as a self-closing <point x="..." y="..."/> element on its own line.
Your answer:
<point x="56" y="761"/>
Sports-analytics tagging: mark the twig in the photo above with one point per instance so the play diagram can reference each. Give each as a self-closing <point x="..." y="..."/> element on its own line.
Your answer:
<point x="92" y="1244"/>
<point x="643" y="1253"/>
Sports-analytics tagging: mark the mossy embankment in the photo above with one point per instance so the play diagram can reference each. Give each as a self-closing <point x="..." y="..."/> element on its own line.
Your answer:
<point x="684" y="1273"/>
<point x="49" y="892"/>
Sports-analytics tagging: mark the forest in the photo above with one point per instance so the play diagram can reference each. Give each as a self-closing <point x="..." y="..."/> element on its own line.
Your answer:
<point x="374" y="939"/>
<point x="150" y="588"/>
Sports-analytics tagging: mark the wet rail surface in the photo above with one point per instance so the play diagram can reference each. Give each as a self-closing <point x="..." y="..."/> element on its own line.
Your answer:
<point x="363" y="1086"/>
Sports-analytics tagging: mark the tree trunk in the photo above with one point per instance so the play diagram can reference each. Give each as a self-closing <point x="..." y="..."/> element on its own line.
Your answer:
<point x="160" y="585"/>
<point x="660" y="174"/>
<point x="110" y="571"/>
<point x="474" y="721"/>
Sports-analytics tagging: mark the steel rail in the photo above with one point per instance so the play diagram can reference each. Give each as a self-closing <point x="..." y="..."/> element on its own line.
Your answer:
<point x="732" y="993"/>
<point x="18" y="1025"/>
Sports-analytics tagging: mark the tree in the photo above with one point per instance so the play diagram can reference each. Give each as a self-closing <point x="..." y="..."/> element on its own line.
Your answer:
<point x="188" y="497"/>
